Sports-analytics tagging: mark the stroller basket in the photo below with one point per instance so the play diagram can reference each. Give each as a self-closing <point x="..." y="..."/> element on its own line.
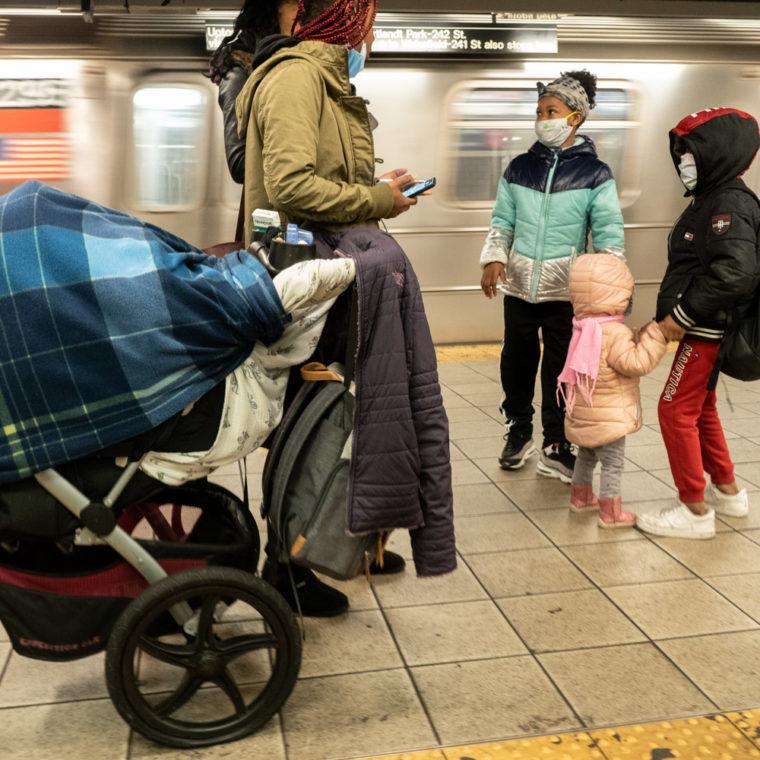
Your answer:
<point x="62" y="605"/>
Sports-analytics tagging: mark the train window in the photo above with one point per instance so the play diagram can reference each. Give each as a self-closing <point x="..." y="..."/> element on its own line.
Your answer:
<point x="492" y="123"/>
<point x="169" y="125"/>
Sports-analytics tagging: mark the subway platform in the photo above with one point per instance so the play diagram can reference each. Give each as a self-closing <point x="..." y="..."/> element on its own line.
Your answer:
<point x="553" y="639"/>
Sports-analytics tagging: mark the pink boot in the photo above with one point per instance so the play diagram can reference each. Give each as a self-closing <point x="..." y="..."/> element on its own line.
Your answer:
<point x="582" y="498"/>
<point x="612" y="514"/>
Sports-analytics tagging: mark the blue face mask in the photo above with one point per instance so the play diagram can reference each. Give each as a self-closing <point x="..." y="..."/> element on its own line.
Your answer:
<point x="356" y="60"/>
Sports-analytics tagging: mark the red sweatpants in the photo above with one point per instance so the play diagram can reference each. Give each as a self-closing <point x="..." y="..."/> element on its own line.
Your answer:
<point x="690" y="424"/>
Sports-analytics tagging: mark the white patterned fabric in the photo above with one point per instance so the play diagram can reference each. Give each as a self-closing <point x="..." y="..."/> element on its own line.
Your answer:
<point x="255" y="391"/>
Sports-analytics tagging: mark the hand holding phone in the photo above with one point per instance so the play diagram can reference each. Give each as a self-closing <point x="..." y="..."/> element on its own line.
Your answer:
<point x="419" y="187"/>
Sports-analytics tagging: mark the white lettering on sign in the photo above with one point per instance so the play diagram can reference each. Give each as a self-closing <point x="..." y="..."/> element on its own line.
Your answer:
<point x="451" y="39"/>
<point x="215" y="33"/>
<point x="35" y="93"/>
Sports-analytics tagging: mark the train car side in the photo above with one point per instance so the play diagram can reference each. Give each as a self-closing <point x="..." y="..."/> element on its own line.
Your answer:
<point x="136" y="126"/>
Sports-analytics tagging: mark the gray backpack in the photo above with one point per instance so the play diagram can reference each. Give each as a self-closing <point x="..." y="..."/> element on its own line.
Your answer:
<point x="305" y="479"/>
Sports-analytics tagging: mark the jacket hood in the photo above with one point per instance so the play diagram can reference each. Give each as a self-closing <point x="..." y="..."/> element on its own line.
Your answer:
<point x="600" y="285"/>
<point x="269" y="45"/>
<point x="723" y="141"/>
<point x="331" y="60"/>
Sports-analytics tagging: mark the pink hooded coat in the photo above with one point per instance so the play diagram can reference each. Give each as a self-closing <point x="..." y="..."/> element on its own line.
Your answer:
<point x="601" y="286"/>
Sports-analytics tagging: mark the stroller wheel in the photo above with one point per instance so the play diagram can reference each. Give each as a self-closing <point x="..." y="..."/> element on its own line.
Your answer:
<point x="216" y="679"/>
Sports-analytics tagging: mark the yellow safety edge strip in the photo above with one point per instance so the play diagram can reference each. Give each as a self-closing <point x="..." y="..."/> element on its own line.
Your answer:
<point x="728" y="736"/>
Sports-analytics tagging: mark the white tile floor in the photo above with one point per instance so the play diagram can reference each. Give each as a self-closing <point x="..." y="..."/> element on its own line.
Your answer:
<point x="548" y="625"/>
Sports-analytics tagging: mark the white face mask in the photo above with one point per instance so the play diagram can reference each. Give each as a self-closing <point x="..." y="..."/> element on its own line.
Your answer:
<point x="687" y="170"/>
<point x="553" y="132"/>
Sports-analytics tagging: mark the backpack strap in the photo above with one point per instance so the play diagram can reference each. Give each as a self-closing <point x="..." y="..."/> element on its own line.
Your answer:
<point x="732" y="320"/>
<point x="327" y="395"/>
<point x="317" y="372"/>
<point x="352" y="338"/>
<point x="280" y="438"/>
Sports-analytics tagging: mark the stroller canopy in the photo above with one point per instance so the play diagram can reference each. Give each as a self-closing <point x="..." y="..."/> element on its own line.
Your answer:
<point x="110" y="325"/>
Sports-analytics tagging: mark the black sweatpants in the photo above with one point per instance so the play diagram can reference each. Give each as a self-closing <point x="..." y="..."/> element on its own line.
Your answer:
<point x="520" y="356"/>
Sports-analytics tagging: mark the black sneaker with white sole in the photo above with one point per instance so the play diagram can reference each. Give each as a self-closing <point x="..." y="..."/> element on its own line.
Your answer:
<point x="557" y="461"/>
<point x="518" y="447"/>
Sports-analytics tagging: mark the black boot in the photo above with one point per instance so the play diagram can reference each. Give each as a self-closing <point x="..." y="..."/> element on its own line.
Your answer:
<point x="317" y="599"/>
<point x="392" y="563"/>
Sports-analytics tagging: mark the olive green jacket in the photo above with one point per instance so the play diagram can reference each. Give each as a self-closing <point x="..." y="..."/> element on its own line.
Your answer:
<point x="309" y="151"/>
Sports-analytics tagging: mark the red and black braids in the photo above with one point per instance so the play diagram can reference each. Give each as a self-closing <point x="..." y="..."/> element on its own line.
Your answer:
<point x="344" y="22"/>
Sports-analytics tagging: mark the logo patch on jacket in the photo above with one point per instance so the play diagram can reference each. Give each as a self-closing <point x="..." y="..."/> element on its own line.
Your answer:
<point x="721" y="223"/>
<point x="688" y="235"/>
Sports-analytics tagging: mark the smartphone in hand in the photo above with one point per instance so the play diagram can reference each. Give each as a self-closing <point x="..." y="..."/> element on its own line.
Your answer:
<point x="419" y="187"/>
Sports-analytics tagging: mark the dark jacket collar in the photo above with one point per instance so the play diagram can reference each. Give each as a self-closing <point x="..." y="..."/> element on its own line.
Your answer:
<point x="584" y="148"/>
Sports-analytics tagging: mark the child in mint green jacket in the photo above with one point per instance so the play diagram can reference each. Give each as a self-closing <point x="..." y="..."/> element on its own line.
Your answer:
<point x="547" y="202"/>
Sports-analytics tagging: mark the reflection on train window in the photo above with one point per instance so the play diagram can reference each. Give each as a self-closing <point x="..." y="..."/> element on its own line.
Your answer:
<point x="168" y="132"/>
<point x="491" y="125"/>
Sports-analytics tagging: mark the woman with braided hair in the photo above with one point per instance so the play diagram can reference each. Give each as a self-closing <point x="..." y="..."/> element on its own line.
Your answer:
<point x="299" y="120"/>
<point x="309" y="150"/>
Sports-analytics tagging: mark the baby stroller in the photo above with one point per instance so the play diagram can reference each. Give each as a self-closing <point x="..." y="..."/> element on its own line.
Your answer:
<point x="98" y="556"/>
<point x="199" y="650"/>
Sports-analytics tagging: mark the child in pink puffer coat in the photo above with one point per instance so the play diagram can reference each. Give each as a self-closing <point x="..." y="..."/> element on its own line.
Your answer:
<point x="601" y="381"/>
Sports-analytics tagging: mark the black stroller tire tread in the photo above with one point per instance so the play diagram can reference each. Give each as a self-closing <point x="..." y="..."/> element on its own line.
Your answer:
<point x="216" y="582"/>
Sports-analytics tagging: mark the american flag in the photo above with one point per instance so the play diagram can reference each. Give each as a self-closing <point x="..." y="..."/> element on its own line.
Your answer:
<point x="34" y="144"/>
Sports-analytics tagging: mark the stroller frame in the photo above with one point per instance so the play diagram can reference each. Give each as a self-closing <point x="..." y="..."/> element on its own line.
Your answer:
<point x="95" y="519"/>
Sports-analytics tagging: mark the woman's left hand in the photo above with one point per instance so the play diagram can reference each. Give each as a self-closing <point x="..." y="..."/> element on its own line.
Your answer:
<point x="391" y="175"/>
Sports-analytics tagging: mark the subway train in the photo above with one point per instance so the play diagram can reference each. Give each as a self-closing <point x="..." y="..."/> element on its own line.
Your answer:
<point x="118" y="110"/>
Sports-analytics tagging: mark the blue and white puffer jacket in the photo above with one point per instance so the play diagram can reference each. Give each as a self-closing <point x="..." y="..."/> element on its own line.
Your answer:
<point x="547" y="202"/>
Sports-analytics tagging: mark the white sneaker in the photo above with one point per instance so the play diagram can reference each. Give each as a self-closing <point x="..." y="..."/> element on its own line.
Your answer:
<point x="733" y="505"/>
<point x="678" y="521"/>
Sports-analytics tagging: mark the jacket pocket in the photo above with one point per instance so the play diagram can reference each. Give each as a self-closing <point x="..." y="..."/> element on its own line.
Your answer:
<point x="362" y="150"/>
<point x="672" y="290"/>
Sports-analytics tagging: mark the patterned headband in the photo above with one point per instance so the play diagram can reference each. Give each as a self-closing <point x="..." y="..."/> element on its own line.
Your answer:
<point x="570" y="91"/>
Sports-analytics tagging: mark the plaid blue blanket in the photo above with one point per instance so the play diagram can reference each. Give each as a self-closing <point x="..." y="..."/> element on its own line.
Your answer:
<point x="109" y="325"/>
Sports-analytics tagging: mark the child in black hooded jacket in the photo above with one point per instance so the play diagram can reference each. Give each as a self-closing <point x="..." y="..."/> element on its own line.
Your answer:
<point x="712" y="270"/>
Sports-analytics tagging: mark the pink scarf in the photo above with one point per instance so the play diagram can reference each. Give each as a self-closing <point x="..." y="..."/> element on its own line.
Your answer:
<point x="582" y="364"/>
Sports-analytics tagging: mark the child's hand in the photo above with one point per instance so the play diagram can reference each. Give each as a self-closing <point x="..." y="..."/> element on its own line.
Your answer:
<point x="492" y="273"/>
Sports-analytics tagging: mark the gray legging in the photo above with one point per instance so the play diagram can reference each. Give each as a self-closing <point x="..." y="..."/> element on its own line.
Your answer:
<point x="612" y="457"/>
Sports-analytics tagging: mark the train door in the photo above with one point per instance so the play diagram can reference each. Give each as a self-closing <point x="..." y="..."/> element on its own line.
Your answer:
<point x="172" y="175"/>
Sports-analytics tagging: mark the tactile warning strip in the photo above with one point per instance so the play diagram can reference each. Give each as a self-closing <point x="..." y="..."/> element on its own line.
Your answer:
<point x="729" y="736"/>
<point x="468" y="353"/>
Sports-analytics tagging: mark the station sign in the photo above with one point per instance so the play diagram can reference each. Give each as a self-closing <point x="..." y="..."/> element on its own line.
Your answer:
<point x="216" y="31"/>
<point x="426" y="34"/>
<point x="465" y="39"/>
